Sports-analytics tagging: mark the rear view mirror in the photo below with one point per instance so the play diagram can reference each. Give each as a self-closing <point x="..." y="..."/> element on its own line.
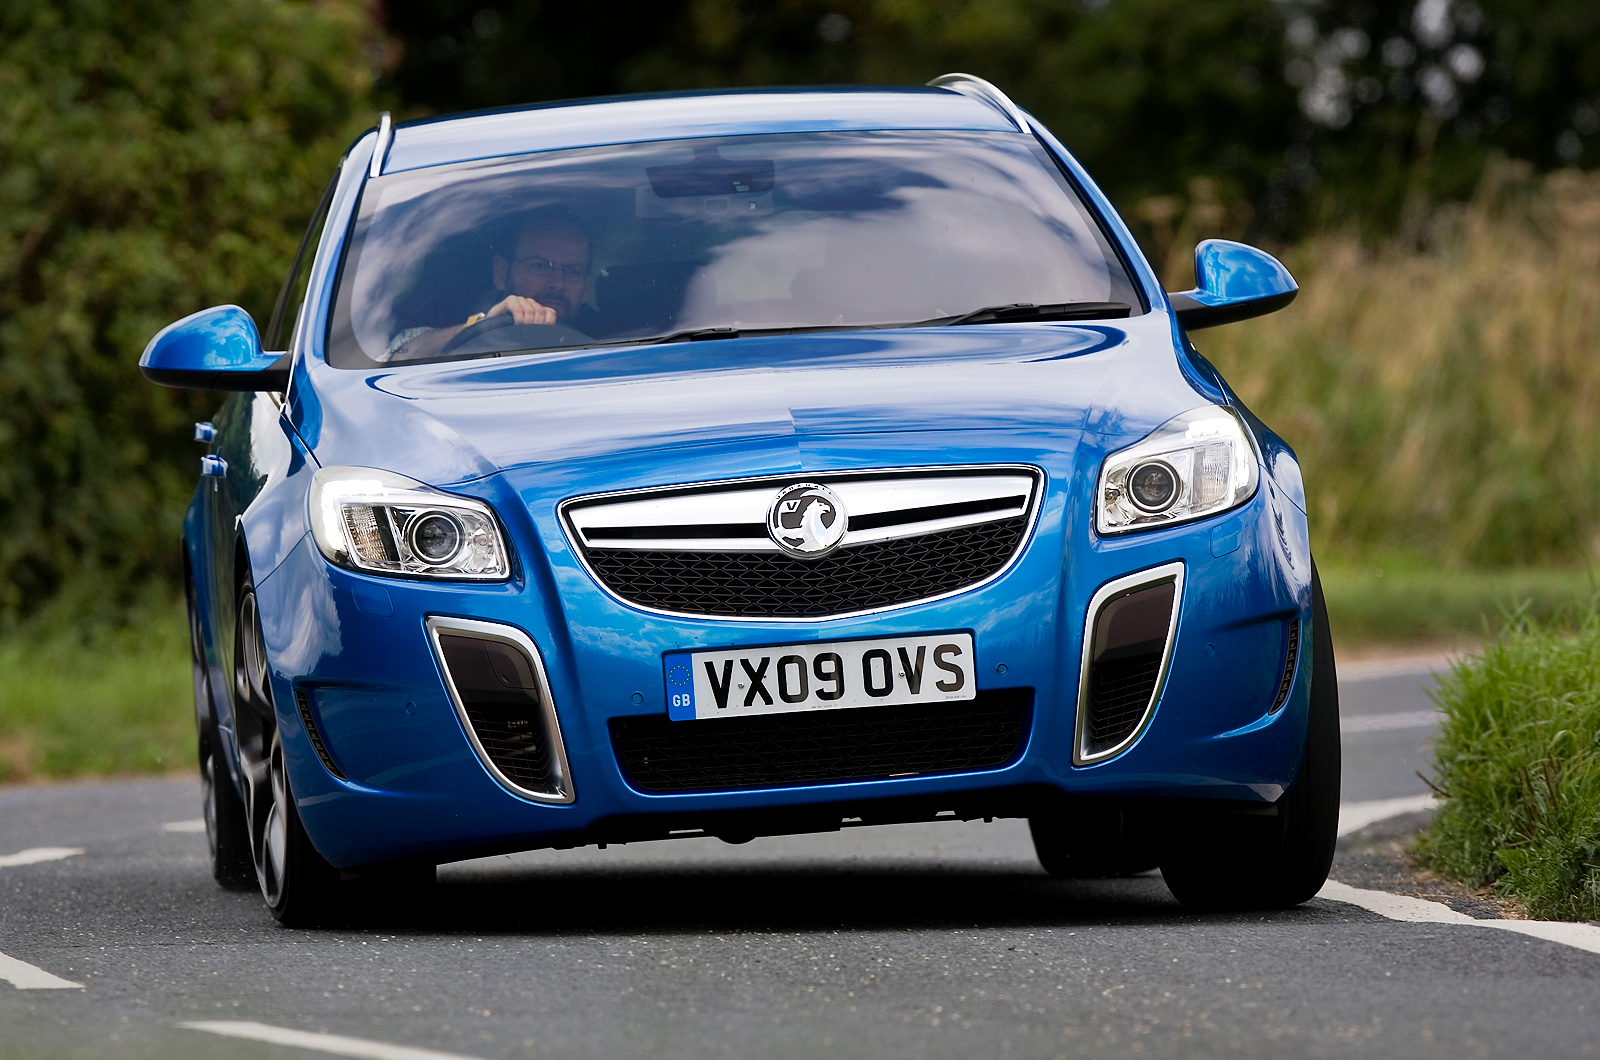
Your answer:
<point x="1232" y="282"/>
<point x="214" y="349"/>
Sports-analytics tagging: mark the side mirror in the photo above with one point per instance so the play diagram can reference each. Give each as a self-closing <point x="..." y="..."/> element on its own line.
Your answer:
<point x="214" y="349"/>
<point x="1235" y="282"/>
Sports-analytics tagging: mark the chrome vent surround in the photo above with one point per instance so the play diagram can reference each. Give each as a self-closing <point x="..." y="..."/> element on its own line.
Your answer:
<point x="497" y="683"/>
<point x="703" y="551"/>
<point x="1128" y="633"/>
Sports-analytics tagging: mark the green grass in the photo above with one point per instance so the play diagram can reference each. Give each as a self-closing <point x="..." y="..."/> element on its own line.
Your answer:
<point x="1518" y="759"/>
<point x="1401" y="601"/>
<point x="108" y="702"/>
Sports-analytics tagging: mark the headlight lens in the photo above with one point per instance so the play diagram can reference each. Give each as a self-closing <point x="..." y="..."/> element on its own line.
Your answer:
<point x="1194" y="465"/>
<point x="383" y="523"/>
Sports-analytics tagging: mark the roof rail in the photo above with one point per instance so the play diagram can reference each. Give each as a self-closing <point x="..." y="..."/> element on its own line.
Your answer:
<point x="381" y="148"/>
<point x="978" y="88"/>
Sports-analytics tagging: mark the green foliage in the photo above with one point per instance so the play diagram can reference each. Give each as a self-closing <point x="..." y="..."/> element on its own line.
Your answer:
<point x="97" y="701"/>
<point x="1518" y="759"/>
<point x="1397" y="600"/>
<point x="1444" y="402"/>
<point x="156" y="158"/>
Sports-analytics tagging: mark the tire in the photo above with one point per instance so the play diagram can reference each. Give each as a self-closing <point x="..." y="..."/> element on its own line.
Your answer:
<point x="1243" y="862"/>
<point x="227" y="830"/>
<point x="1093" y="841"/>
<point x="300" y="888"/>
<point x="227" y="834"/>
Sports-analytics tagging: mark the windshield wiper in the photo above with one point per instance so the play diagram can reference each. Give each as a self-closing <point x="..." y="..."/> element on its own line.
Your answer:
<point x="1024" y="311"/>
<point x="995" y="314"/>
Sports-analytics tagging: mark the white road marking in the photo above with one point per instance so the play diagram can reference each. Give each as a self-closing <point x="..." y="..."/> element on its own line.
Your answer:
<point x="1399" y="666"/>
<point x="1421" y="911"/>
<point x="25" y="976"/>
<point x="36" y="855"/>
<point x="1354" y="816"/>
<point x="1405" y="719"/>
<point x="196" y="825"/>
<point x="327" y="1043"/>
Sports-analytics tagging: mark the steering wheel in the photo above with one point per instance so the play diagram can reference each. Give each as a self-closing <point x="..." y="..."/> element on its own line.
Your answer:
<point x="473" y="331"/>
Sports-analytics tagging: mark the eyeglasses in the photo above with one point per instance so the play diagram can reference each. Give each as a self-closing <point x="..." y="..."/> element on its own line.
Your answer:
<point x="545" y="269"/>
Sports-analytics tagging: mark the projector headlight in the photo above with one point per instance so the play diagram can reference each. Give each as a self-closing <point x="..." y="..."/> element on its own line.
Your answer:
<point x="1194" y="465"/>
<point x="382" y="523"/>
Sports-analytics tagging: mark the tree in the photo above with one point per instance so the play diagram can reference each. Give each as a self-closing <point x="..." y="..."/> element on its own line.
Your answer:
<point x="156" y="157"/>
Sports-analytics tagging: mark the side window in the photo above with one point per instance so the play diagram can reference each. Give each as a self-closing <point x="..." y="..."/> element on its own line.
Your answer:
<point x="286" y="311"/>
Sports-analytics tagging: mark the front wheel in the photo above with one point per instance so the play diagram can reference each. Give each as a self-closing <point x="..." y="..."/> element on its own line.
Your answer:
<point x="299" y="886"/>
<point x="1275" y="862"/>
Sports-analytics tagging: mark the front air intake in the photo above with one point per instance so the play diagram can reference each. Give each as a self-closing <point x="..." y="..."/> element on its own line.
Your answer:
<point x="1127" y="645"/>
<point x="497" y="683"/>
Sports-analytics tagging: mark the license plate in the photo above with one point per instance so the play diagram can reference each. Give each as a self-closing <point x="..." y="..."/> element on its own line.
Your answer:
<point x="737" y="683"/>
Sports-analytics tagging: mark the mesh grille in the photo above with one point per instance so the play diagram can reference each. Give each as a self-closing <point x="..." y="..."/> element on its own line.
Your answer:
<point x="1290" y="657"/>
<point x="773" y="584"/>
<point x="1119" y="692"/>
<point x="302" y="700"/>
<point x="514" y="742"/>
<point x="825" y="746"/>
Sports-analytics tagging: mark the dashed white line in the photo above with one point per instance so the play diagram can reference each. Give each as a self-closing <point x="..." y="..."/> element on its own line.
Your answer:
<point x="36" y="855"/>
<point x="327" y="1043"/>
<point x="1398" y="666"/>
<point x="1421" y="911"/>
<point x="25" y="976"/>
<point x="1406" y="719"/>
<point x="196" y="825"/>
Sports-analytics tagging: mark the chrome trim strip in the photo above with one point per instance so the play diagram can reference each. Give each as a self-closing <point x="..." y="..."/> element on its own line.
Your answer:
<point x="909" y="493"/>
<point x="380" y="150"/>
<point x="767" y="483"/>
<point x="978" y="88"/>
<point x="1168" y="572"/>
<point x="496" y="631"/>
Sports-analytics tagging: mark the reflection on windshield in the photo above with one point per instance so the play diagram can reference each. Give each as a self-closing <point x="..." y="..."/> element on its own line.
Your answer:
<point x="628" y="243"/>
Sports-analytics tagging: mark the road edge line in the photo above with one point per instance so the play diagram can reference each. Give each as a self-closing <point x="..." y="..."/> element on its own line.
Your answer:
<point x="1411" y="910"/>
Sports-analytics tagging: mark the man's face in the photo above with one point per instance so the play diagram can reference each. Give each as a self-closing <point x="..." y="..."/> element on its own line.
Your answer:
<point x="551" y="267"/>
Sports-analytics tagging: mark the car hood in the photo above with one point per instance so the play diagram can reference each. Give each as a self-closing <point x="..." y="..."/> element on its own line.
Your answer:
<point x="767" y="395"/>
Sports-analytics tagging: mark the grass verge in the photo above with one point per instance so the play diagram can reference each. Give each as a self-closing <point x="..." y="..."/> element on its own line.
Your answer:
<point x="1518" y="759"/>
<point x="114" y="701"/>
<point x="1396" y="602"/>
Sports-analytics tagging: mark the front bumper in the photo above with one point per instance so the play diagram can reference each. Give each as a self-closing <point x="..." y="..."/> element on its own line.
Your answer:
<point x="415" y="787"/>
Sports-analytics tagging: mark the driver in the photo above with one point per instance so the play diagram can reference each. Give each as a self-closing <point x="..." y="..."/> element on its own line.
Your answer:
<point x="545" y="281"/>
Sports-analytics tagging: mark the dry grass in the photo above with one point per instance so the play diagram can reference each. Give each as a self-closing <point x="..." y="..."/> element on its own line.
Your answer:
<point x="1443" y="393"/>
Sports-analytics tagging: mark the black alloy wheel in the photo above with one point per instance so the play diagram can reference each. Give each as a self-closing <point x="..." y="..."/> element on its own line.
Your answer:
<point x="1226" y="862"/>
<point x="227" y="833"/>
<point x="299" y="886"/>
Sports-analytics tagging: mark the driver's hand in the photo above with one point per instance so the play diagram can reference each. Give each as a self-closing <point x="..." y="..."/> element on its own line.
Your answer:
<point x="523" y="310"/>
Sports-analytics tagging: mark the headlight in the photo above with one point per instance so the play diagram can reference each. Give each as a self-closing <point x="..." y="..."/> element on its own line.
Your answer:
<point x="1194" y="465"/>
<point x="383" y="523"/>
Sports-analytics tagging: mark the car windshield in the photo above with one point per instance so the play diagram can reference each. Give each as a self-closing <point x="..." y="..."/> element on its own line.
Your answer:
<point x="712" y="237"/>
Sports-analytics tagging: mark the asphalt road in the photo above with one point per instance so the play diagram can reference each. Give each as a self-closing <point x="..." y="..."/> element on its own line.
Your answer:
<point x="907" y="941"/>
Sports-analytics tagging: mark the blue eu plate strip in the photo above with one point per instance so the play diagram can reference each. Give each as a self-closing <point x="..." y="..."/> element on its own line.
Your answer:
<point x="680" y="685"/>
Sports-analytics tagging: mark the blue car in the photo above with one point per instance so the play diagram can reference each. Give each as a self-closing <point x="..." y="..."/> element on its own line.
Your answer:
<point x="739" y="464"/>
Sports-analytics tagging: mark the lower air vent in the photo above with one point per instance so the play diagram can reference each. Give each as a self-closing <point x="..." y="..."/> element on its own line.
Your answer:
<point x="1290" y="658"/>
<point x="500" y="692"/>
<point x="302" y="700"/>
<point x="828" y="746"/>
<point x="1126" y="644"/>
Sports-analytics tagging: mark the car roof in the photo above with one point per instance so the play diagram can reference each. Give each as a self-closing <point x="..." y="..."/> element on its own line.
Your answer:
<point x="667" y="116"/>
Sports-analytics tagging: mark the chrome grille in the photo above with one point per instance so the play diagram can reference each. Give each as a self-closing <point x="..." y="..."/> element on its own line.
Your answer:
<point x="705" y="551"/>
